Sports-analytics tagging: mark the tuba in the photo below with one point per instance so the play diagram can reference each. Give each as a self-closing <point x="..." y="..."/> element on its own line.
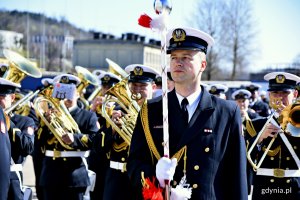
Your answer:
<point x="86" y="78"/>
<point x="120" y="94"/>
<point x="18" y="68"/>
<point x="60" y="121"/>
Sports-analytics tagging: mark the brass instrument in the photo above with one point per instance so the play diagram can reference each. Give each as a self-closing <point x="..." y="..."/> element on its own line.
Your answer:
<point x="113" y="68"/>
<point x="277" y="105"/>
<point x="120" y="94"/>
<point x="21" y="107"/>
<point x="86" y="78"/>
<point x="61" y="122"/>
<point x="116" y="69"/>
<point x="19" y="67"/>
<point x="290" y="119"/>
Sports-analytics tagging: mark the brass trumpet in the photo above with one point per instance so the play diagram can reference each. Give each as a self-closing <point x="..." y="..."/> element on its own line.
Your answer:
<point x="290" y="119"/>
<point x="120" y="94"/>
<point x="274" y="118"/>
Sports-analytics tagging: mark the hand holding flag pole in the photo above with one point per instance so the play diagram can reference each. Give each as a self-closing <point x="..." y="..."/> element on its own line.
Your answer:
<point x="162" y="9"/>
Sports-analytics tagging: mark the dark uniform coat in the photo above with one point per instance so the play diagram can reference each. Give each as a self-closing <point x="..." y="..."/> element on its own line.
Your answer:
<point x="215" y="147"/>
<point x="71" y="171"/>
<point x="5" y="157"/>
<point x="22" y="144"/>
<point x="270" y="187"/>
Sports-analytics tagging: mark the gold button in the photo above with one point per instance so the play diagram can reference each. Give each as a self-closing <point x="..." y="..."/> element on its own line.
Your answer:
<point x="123" y="159"/>
<point x="288" y="180"/>
<point x="195" y="186"/>
<point x="295" y="147"/>
<point x="272" y="158"/>
<point x="206" y="149"/>
<point x="272" y="180"/>
<point x="287" y="158"/>
<point x="196" y="167"/>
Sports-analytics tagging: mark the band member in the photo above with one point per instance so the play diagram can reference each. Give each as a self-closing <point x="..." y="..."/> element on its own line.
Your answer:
<point x="99" y="158"/>
<point x="141" y="84"/>
<point x="5" y="156"/>
<point x="158" y="89"/>
<point x="64" y="172"/>
<point x="206" y="145"/>
<point x="218" y="90"/>
<point x="21" y="135"/>
<point x="277" y="177"/>
<point x="255" y="102"/>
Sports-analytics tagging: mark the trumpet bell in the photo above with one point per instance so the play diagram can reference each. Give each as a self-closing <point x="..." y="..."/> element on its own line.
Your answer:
<point x="19" y="67"/>
<point x="290" y="117"/>
<point x="116" y="69"/>
<point x="85" y="74"/>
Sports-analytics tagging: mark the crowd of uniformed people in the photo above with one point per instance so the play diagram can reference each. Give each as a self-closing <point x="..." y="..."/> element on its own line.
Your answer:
<point x="111" y="145"/>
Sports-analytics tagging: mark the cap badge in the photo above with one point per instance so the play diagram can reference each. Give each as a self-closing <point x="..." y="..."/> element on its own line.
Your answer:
<point x="106" y="78"/>
<point x="64" y="79"/>
<point x="138" y="71"/>
<point x="178" y="35"/>
<point x="3" y="68"/>
<point x="213" y="89"/>
<point x="280" y="78"/>
<point x="98" y="73"/>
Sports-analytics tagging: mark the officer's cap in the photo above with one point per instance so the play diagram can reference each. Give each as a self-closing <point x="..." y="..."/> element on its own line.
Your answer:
<point x="253" y="87"/>
<point x="241" y="94"/>
<point x="141" y="73"/>
<point x="8" y="87"/>
<point x="188" y="39"/>
<point x="49" y="80"/>
<point x="66" y="79"/>
<point x="217" y="89"/>
<point x="281" y="81"/>
<point x="158" y="80"/>
<point x="98" y="72"/>
<point x="109" y="79"/>
<point x="169" y="74"/>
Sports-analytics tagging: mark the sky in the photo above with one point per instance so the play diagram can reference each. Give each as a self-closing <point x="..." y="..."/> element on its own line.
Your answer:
<point x="277" y="21"/>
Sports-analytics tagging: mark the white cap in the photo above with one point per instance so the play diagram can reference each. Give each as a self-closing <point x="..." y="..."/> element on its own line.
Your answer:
<point x="67" y="79"/>
<point x="281" y="81"/>
<point x="217" y="88"/>
<point x="189" y="39"/>
<point x="8" y="87"/>
<point x="241" y="94"/>
<point x="141" y="73"/>
<point x="49" y="80"/>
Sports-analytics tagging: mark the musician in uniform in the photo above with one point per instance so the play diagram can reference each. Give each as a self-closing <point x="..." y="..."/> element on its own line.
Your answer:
<point x="21" y="135"/>
<point x="207" y="149"/>
<point x="218" y="90"/>
<point x="277" y="177"/>
<point x="141" y="84"/>
<point x="5" y="155"/>
<point x="256" y="103"/>
<point x="64" y="172"/>
<point x="99" y="158"/>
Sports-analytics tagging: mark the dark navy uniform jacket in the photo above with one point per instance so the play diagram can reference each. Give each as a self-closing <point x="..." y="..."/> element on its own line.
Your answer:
<point x="5" y="157"/>
<point x="69" y="172"/>
<point x="270" y="187"/>
<point x="216" y="155"/>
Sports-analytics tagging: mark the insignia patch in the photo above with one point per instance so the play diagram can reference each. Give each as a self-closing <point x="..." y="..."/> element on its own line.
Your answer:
<point x="178" y="35"/>
<point x="213" y="89"/>
<point x="280" y="79"/>
<point x="106" y="77"/>
<point x="64" y="79"/>
<point x="2" y="127"/>
<point x="138" y="71"/>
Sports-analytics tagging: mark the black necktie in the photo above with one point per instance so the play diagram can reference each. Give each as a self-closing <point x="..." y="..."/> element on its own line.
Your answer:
<point x="184" y="110"/>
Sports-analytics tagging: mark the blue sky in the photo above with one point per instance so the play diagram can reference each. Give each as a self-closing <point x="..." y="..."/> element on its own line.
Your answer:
<point x="278" y="21"/>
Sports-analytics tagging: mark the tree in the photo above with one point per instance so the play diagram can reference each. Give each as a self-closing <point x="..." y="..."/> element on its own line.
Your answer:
<point x="231" y="24"/>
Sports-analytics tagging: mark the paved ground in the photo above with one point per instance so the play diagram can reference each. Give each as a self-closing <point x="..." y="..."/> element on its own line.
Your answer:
<point x="29" y="177"/>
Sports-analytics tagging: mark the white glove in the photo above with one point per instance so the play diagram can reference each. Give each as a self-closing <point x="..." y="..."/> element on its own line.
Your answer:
<point x="165" y="170"/>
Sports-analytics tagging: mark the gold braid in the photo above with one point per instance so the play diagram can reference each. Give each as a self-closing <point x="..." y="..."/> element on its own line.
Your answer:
<point x="151" y="145"/>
